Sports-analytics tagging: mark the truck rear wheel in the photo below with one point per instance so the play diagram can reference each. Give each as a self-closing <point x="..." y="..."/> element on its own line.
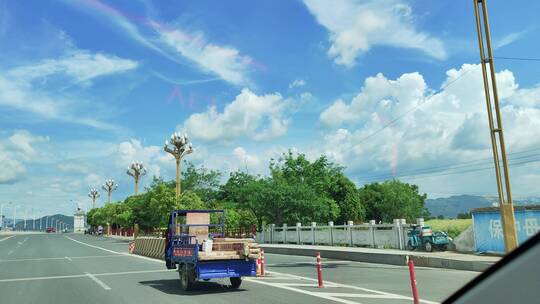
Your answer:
<point x="236" y="282"/>
<point x="187" y="277"/>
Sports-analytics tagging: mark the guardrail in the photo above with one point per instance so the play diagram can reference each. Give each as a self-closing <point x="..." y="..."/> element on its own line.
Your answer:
<point x="365" y="235"/>
<point x="150" y="247"/>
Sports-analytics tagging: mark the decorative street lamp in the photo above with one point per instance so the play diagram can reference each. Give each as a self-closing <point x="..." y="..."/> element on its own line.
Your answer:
<point x="109" y="186"/>
<point x="136" y="170"/>
<point x="93" y="194"/>
<point x="178" y="147"/>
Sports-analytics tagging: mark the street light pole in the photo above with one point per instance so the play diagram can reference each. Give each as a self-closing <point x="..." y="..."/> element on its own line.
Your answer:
<point x="93" y="194"/>
<point x="33" y="219"/>
<point x="14" y="214"/>
<point x="109" y="186"/>
<point x="136" y="170"/>
<point x="25" y="212"/>
<point x="179" y="146"/>
<point x="2" y="216"/>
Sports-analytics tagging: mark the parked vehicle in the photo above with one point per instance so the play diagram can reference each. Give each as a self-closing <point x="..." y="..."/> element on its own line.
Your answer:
<point x="51" y="230"/>
<point x="200" y="251"/>
<point x="423" y="237"/>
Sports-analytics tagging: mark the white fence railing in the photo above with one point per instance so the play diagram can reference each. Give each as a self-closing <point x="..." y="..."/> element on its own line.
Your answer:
<point x="364" y="235"/>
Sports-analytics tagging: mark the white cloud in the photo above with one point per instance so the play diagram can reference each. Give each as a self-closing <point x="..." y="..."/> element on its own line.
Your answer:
<point x="12" y="169"/>
<point x="355" y="26"/>
<point x="245" y="161"/>
<point x="153" y="157"/>
<point x="17" y="150"/>
<point x="175" y="43"/>
<point x="224" y="61"/>
<point x="20" y="90"/>
<point x="508" y="39"/>
<point x="259" y="117"/>
<point x="297" y="83"/>
<point x="81" y="66"/>
<point x="73" y="167"/>
<point x="22" y="141"/>
<point x="449" y="127"/>
<point x="378" y="95"/>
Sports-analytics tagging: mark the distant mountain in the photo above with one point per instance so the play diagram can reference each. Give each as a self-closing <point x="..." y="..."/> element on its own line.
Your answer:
<point x="52" y="219"/>
<point x="449" y="207"/>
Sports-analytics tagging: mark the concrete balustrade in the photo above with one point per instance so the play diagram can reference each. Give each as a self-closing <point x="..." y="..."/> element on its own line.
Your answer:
<point x="368" y="234"/>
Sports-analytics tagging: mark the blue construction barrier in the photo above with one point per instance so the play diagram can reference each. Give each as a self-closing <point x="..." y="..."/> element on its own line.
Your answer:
<point x="488" y="233"/>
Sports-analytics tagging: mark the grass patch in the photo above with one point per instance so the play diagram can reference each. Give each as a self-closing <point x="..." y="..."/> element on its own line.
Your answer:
<point x="452" y="227"/>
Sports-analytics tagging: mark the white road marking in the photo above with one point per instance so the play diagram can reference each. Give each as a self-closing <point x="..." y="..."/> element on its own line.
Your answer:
<point x="311" y="293"/>
<point x="120" y="253"/>
<point x="133" y="272"/>
<point x="98" y="281"/>
<point x="11" y="251"/>
<point x="6" y="238"/>
<point x="84" y="275"/>
<point x="356" y="295"/>
<point x="330" y="284"/>
<point x="69" y="259"/>
<point x="76" y="257"/>
<point x="43" y="278"/>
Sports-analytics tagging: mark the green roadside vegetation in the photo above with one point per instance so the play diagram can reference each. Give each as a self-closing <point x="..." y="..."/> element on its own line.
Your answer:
<point x="453" y="227"/>
<point x="295" y="190"/>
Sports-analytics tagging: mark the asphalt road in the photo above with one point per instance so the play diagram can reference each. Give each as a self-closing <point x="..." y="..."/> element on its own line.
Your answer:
<point x="70" y="268"/>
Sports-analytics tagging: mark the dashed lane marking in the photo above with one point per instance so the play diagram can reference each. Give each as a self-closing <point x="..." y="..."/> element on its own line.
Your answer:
<point x="69" y="259"/>
<point x="6" y="238"/>
<point x="75" y="257"/>
<point x="98" y="281"/>
<point x="84" y="275"/>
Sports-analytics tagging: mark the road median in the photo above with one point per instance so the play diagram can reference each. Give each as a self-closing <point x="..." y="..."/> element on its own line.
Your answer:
<point x="447" y="260"/>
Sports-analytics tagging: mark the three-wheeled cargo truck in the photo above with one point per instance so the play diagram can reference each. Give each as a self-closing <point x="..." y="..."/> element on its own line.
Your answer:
<point x="424" y="237"/>
<point x="200" y="250"/>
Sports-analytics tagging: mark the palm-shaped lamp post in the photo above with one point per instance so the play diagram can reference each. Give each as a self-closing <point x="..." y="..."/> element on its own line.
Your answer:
<point x="178" y="146"/>
<point x="93" y="194"/>
<point x="136" y="170"/>
<point x="109" y="186"/>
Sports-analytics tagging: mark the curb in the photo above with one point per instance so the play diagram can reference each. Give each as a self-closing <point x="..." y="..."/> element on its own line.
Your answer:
<point x="384" y="258"/>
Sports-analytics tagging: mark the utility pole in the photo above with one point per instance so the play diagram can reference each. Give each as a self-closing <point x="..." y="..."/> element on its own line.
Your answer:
<point x="136" y="170"/>
<point x="495" y="127"/>
<point x="179" y="146"/>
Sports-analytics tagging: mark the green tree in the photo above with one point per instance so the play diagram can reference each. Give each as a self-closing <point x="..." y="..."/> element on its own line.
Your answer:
<point x="189" y="200"/>
<point x="203" y="181"/>
<point x="301" y="190"/>
<point x="391" y="200"/>
<point x="244" y="192"/>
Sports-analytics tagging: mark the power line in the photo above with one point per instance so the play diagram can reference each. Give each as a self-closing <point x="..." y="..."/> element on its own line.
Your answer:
<point x="442" y="168"/>
<point x="517" y="58"/>
<point x="489" y="167"/>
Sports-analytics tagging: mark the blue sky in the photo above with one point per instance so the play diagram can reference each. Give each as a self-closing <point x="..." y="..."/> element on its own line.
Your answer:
<point x="88" y="86"/>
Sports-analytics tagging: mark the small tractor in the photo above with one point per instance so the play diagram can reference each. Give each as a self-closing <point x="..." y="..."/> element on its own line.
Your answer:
<point x="423" y="237"/>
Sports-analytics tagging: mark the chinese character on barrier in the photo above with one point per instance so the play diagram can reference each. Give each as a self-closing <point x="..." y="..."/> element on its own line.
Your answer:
<point x="495" y="229"/>
<point x="531" y="226"/>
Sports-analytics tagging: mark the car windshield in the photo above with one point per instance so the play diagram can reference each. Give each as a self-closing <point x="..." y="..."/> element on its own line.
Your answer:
<point x="326" y="151"/>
